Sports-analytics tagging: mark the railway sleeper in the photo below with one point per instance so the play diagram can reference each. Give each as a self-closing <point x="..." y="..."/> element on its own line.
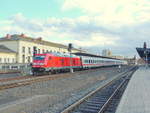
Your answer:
<point x="87" y="110"/>
<point x="100" y="102"/>
<point x="92" y="104"/>
<point x="90" y="107"/>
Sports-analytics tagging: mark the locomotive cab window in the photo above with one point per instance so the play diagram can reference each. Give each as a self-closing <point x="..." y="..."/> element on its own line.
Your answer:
<point x="39" y="57"/>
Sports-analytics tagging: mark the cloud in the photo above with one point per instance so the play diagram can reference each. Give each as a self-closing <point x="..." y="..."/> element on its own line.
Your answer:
<point x="112" y="12"/>
<point x="98" y="39"/>
<point x="22" y="22"/>
<point x="84" y="31"/>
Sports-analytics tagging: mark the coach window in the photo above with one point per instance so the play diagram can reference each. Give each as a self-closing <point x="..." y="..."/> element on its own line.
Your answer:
<point x="87" y="61"/>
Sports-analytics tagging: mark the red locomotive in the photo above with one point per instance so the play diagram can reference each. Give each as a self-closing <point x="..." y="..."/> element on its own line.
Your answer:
<point x="54" y="62"/>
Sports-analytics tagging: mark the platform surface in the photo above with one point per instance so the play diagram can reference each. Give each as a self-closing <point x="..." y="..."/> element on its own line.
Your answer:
<point x="136" y="98"/>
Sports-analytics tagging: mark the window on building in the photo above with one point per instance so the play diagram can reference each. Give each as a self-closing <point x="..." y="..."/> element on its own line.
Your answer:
<point x="23" y="58"/>
<point x="5" y="60"/>
<point x="23" y="49"/>
<point x="29" y="59"/>
<point x="34" y="50"/>
<point x="29" y="50"/>
<point x="43" y="51"/>
<point x="13" y="60"/>
<point x="39" y="51"/>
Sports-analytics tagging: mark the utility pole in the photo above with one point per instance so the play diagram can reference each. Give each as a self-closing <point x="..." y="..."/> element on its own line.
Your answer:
<point x="70" y="49"/>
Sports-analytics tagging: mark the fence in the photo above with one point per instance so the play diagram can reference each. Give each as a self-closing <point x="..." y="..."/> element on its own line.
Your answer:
<point x="15" y="67"/>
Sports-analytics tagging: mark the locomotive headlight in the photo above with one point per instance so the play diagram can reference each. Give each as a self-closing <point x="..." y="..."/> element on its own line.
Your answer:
<point x="34" y="63"/>
<point x="41" y="63"/>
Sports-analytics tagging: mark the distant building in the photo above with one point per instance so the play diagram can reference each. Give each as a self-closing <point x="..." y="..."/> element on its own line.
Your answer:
<point x="106" y="52"/>
<point x="20" y="48"/>
<point x="131" y="61"/>
<point x="118" y="57"/>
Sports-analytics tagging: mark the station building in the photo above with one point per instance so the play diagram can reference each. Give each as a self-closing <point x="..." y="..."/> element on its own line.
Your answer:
<point x="20" y="48"/>
<point x="7" y="55"/>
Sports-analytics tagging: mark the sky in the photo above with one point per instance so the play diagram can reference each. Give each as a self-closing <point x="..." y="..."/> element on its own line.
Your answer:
<point x="94" y="25"/>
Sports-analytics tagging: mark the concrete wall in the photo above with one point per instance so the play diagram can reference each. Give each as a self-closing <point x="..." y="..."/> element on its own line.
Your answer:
<point x="25" y="69"/>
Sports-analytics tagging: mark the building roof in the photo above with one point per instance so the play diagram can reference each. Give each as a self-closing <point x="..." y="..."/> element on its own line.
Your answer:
<point x="4" y="49"/>
<point x="34" y="40"/>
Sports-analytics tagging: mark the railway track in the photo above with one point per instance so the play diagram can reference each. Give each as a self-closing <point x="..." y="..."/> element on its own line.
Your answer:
<point x="7" y="83"/>
<point x="22" y="81"/>
<point x="104" y="99"/>
<point x="2" y="80"/>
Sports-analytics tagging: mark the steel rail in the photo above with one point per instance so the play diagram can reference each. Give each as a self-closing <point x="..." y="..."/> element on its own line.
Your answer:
<point x="110" y="98"/>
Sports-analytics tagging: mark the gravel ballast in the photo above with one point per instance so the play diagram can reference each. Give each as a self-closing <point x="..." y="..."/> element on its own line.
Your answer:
<point x="58" y="93"/>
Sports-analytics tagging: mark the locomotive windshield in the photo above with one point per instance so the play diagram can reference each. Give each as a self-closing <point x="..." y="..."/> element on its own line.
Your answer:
<point x="39" y="57"/>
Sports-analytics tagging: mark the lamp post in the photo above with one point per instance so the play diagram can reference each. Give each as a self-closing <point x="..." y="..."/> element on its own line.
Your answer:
<point x="69" y="49"/>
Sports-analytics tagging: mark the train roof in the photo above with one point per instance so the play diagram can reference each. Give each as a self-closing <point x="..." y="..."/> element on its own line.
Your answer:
<point x="93" y="55"/>
<point x="58" y="54"/>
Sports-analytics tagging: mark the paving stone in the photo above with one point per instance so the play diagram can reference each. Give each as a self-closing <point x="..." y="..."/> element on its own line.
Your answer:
<point x="136" y="97"/>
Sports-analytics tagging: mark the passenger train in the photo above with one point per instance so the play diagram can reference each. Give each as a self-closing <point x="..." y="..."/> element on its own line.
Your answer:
<point x="56" y="62"/>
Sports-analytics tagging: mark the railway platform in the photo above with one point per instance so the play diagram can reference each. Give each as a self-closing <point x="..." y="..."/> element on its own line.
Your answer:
<point x="136" y="98"/>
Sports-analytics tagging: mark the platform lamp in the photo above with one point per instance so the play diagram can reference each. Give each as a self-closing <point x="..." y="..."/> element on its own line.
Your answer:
<point x="69" y="50"/>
